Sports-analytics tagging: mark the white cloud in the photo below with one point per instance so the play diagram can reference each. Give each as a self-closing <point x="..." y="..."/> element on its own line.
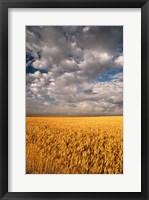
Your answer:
<point x="40" y="64"/>
<point x="119" y="60"/>
<point x="86" y="28"/>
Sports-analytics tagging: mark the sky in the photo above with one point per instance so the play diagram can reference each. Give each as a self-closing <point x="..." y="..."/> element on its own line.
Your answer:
<point x="74" y="70"/>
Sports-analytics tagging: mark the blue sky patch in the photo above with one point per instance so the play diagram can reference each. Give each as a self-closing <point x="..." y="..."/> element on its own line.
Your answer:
<point x="32" y="70"/>
<point x="109" y="75"/>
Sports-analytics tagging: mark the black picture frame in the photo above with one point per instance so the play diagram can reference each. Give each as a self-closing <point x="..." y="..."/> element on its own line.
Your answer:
<point x="4" y="6"/>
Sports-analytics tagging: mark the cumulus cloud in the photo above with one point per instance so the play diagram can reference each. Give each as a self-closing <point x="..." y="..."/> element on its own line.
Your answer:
<point x="63" y="67"/>
<point x="119" y="60"/>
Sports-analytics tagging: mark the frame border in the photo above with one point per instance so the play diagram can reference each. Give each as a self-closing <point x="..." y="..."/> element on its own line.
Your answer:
<point x="4" y="6"/>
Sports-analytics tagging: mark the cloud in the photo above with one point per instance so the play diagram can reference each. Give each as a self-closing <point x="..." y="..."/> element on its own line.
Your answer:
<point x="40" y="64"/>
<point x="86" y="28"/>
<point x="118" y="76"/>
<point x="68" y="61"/>
<point x="119" y="60"/>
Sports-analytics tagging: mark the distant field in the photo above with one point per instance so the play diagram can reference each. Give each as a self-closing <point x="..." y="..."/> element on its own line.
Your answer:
<point x="74" y="145"/>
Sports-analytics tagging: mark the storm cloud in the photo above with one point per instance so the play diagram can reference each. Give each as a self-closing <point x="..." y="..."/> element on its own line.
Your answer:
<point x="74" y="70"/>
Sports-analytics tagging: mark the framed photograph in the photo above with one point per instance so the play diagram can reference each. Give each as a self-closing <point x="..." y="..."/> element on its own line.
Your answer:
<point x="74" y="93"/>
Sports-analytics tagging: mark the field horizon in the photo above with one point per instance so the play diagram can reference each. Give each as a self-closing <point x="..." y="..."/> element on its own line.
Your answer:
<point x="74" y="116"/>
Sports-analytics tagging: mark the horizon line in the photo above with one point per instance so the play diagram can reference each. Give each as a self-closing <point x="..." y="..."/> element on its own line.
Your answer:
<point x="72" y="115"/>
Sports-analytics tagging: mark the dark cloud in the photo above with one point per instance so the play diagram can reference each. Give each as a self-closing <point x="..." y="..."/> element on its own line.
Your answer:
<point x="63" y="65"/>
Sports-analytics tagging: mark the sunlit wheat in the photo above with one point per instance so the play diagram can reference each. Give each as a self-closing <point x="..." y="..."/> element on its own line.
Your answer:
<point x="74" y="145"/>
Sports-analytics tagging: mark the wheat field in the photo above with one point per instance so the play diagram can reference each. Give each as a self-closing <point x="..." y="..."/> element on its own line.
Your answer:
<point x="74" y="145"/>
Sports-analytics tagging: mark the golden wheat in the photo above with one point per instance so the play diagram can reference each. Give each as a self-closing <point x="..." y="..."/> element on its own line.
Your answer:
<point x="74" y="145"/>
